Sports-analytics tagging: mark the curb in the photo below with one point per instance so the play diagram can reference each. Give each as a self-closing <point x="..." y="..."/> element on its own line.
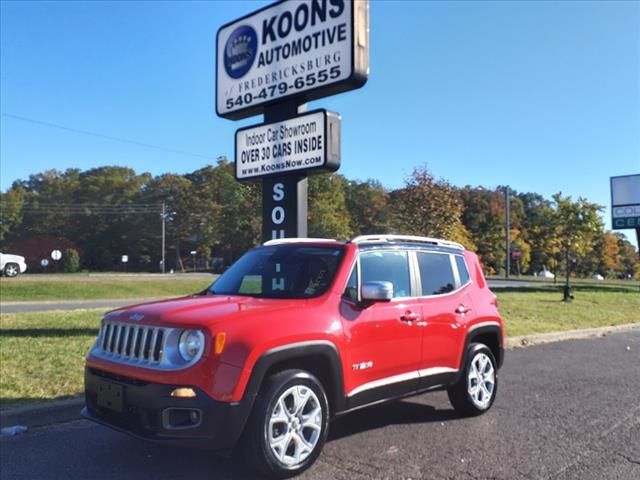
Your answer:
<point x="43" y="414"/>
<point x="60" y="411"/>
<point x="541" y="338"/>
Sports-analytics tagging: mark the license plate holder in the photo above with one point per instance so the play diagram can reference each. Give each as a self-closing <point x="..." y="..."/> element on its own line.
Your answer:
<point x="110" y="395"/>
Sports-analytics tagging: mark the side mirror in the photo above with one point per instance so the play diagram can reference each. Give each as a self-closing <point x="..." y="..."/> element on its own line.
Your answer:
<point x="377" y="291"/>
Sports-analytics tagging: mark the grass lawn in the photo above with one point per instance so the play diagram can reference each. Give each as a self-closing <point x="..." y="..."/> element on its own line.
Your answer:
<point x="541" y="309"/>
<point x="42" y="353"/>
<point x="22" y="290"/>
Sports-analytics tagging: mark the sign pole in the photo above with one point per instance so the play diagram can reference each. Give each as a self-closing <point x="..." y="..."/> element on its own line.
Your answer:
<point x="273" y="61"/>
<point x="164" y="217"/>
<point x="507" y="221"/>
<point x="284" y="197"/>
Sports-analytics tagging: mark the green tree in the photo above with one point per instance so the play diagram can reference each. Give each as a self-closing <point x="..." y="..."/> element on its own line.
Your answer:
<point x="368" y="207"/>
<point x="576" y="225"/>
<point x="70" y="261"/>
<point x="428" y="207"/>
<point x="538" y="231"/>
<point x="328" y="213"/>
<point x="11" y="213"/>
<point x="483" y="217"/>
<point x="225" y="213"/>
<point x="105" y="237"/>
<point x="176" y="192"/>
<point x="628" y="264"/>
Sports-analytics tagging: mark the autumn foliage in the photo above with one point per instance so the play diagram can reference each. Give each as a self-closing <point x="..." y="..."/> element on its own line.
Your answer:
<point x="210" y="212"/>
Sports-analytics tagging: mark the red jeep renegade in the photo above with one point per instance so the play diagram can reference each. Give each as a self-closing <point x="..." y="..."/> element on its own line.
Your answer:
<point x="295" y="333"/>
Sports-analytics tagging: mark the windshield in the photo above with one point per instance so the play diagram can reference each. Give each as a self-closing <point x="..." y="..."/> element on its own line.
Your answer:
<point x="281" y="271"/>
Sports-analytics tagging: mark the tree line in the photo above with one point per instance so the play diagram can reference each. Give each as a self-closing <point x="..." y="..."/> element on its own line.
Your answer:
<point x="104" y="213"/>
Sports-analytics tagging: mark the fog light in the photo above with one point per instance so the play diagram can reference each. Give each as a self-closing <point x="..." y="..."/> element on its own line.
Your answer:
<point x="181" y="418"/>
<point x="184" y="392"/>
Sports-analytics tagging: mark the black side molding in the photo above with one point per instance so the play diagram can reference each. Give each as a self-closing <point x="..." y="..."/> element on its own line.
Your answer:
<point x="298" y="355"/>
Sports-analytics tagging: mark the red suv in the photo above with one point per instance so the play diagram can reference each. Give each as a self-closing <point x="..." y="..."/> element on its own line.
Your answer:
<point x="294" y="334"/>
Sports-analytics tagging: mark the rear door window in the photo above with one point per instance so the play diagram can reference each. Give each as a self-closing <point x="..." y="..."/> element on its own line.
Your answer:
<point x="463" y="273"/>
<point x="436" y="273"/>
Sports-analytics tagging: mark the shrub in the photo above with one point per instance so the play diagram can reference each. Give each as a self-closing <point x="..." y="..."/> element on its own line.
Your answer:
<point x="71" y="260"/>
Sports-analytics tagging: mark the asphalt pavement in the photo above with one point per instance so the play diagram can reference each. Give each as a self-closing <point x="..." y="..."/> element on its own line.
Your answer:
<point x="568" y="410"/>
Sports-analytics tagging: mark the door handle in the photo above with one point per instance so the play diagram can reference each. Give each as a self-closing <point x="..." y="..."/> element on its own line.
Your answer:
<point x="462" y="309"/>
<point x="409" y="316"/>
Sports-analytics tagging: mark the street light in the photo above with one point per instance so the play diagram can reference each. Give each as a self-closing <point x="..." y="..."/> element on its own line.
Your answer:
<point x="193" y="254"/>
<point x="164" y="216"/>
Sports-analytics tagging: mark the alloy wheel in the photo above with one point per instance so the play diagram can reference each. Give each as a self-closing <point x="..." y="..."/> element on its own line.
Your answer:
<point x="294" y="425"/>
<point x="481" y="381"/>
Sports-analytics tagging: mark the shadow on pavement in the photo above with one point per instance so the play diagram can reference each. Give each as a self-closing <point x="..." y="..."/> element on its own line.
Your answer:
<point x="393" y="413"/>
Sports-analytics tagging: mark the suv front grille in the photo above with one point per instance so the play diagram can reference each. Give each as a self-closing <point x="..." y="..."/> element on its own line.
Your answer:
<point x="132" y="343"/>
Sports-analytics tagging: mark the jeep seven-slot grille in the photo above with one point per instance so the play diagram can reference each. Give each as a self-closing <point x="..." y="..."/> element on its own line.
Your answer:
<point x="131" y="343"/>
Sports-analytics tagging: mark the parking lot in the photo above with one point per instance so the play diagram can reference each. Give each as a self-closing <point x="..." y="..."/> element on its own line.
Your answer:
<point x="567" y="410"/>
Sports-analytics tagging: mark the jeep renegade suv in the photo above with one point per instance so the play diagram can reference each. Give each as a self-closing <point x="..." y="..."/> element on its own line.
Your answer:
<point x="294" y="334"/>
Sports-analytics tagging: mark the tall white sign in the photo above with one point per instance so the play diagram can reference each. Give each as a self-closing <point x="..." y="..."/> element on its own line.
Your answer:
<point x="311" y="48"/>
<point x="307" y="142"/>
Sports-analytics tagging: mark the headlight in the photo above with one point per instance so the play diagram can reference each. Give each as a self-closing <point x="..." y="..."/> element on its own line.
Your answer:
<point x="191" y="344"/>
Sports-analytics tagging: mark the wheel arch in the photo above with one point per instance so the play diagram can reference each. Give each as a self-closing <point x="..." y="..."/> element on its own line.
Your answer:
<point x="320" y="358"/>
<point x="489" y="334"/>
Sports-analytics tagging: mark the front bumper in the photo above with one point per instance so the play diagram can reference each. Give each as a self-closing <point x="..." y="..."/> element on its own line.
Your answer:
<point x="145" y="410"/>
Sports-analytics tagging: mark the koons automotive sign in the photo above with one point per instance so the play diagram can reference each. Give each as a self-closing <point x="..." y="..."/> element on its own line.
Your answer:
<point x="309" y="49"/>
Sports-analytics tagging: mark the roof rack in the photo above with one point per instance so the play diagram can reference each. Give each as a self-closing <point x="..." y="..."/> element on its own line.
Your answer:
<point x="279" y="241"/>
<point x="406" y="238"/>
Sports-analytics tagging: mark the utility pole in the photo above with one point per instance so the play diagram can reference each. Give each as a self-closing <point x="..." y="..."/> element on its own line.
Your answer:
<point x="507" y="214"/>
<point x="164" y="219"/>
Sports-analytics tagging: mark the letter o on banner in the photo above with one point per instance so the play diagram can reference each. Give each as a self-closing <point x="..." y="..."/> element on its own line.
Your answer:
<point x="277" y="215"/>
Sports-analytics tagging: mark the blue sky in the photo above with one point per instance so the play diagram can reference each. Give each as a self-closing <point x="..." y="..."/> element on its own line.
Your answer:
<point x="542" y="96"/>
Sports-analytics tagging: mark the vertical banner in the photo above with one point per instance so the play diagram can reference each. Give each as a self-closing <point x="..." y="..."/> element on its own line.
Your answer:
<point x="284" y="213"/>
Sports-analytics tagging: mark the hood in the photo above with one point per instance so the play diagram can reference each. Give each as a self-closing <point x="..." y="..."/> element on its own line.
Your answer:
<point x="14" y="258"/>
<point x="201" y="310"/>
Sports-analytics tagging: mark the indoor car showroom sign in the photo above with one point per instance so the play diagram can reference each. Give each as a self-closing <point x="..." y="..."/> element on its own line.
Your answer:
<point x="291" y="48"/>
<point x="310" y="141"/>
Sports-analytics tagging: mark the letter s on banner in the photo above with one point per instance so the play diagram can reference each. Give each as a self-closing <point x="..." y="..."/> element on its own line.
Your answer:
<point x="278" y="192"/>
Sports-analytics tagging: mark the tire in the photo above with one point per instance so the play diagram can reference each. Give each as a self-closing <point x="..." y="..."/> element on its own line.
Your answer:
<point x="11" y="269"/>
<point x="276" y="441"/>
<point x="476" y="389"/>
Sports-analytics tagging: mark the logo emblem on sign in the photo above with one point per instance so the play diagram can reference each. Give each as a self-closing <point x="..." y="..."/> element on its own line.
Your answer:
<point x="240" y="51"/>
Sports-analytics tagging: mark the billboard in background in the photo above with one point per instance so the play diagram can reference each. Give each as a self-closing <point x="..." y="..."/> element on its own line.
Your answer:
<point x="304" y="49"/>
<point x="625" y="202"/>
<point x="307" y="143"/>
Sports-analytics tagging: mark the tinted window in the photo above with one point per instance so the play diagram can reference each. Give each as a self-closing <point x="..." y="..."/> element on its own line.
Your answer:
<point x="351" y="292"/>
<point x="462" y="269"/>
<point x="387" y="267"/>
<point x="281" y="271"/>
<point x="435" y="273"/>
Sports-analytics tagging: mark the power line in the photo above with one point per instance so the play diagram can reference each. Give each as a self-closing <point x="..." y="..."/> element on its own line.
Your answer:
<point x="107" y="137"/>
<point x="86" y="208"/>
